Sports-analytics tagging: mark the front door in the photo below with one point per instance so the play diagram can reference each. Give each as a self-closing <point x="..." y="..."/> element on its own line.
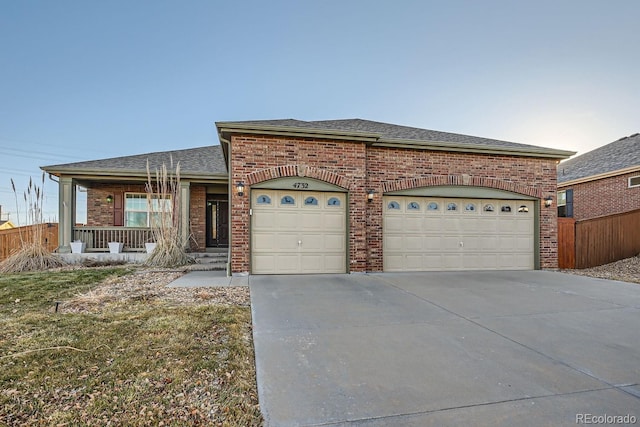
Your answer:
<point x="217" y="223"/>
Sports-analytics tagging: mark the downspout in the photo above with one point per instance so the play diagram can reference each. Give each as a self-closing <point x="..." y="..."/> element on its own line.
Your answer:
<point x="229" y="189"/>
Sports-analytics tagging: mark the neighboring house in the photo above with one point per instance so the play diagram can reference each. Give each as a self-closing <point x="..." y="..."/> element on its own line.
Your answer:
<point x="6" y="225"/>
<point x="602" y="182"/>
<point x="339" y="196"/>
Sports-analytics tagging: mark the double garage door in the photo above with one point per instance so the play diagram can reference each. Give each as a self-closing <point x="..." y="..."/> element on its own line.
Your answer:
<point x="429" y="234"/>
<point x="298" y="232"/>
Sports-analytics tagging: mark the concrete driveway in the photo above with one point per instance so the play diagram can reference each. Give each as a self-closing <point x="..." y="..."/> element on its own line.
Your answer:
<point x="525" y="348"/>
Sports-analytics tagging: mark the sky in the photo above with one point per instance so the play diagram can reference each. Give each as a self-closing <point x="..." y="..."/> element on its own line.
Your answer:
<point x="84" y="80"/>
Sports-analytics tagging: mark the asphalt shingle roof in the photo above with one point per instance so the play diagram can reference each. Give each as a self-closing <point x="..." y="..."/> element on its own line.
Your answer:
<point x="193" y="161"/>
<point x="391" y="132"/>
<point x="621" y="154"/>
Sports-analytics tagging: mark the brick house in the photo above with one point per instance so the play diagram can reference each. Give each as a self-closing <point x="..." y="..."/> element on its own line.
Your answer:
<point x="344" y="196"/>
<point x="602" y="182"/>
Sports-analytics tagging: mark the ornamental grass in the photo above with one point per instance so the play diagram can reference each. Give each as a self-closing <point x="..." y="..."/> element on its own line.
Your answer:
<point x="32" y="254"/>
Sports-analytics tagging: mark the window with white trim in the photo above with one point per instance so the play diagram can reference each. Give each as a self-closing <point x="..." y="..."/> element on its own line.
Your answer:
<point x="634" y="181"/>
<point x="562" y="198"/>
<point x="565" y="203"/>
<point x="142" y="210"/>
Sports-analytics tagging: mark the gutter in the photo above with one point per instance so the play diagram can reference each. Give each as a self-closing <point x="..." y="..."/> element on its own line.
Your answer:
<point x="120" y="172"/>
<point x="475" y="148"/>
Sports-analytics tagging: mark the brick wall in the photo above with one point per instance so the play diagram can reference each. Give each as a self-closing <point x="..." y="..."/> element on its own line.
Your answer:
<point x="355" y="166"/>
<point x="197" y="217"/>
<point x="100" y="213"/>
<point x="604" y="197"/>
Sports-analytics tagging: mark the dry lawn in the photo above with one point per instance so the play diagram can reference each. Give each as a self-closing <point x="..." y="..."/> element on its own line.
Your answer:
<point x="124" y="350"/>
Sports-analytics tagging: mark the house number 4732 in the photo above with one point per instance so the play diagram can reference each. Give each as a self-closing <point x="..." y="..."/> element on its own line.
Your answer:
<point x="300" y="185"/>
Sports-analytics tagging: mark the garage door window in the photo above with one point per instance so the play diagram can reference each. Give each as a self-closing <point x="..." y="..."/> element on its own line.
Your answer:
<point x="488" y="208"/>
<point x="470" y="207"/>
<point x="523" y="209"/>
<point x="334" y="201"/>
<point x="505" y="209"/>
<point x="393" y="205"/>
<point x="413" y="206"/>
<point x="264" y="200"/>
<point x="433" y="206"/>
<point x="311" y="201"/>
<point x="452" y="207"/>
<point x="288" y="200"/>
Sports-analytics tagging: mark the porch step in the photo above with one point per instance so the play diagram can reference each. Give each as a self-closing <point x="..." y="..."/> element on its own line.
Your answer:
<point x="209" y="261"/>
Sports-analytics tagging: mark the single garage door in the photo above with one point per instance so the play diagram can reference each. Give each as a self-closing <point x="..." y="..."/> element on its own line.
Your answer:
<point x="432" y="234"/>
<point x="298" y="232"/>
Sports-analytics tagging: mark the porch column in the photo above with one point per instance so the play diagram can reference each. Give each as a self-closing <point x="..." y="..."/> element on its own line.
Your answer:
<point x="66" y="213"/>
<point x="185" y="229"/>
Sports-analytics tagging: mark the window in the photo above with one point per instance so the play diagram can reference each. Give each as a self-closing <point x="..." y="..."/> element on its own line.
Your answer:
<point x="413" y="206"/>
<point x="488" y="208"/>
<point x="523" y="209"/>
<point x="470" y="207"/>
<point x="433" y="206"/>
<point x="634" y="181"/>
<point x="505" y="208"/>
<point x="565" y="203"/>
<point x="311" y="201"/>
<point x="452" y="207"/>
<point x="264" y="200"/>
<point x="288" y="200"/>
<point x="141" y="210"/>
<point x="562" y="198"/>
<point x="393" y="205"/>
<point x="334" y="201"/>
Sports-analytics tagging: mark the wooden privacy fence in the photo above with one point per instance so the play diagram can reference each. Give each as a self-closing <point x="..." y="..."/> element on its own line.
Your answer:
<point x="566" y="243"/>
<point x="10" y="239"/>
<point x="598" y="241"/>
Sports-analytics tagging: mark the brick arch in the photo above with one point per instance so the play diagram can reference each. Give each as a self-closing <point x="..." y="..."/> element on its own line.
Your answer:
<point x="463" y="180"/>
<point x="298" y="170"/>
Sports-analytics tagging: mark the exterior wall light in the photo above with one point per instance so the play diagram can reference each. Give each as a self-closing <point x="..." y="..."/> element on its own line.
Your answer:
<point x="240" y="188"/>
<point x="370" y="194"/>
<point x="109" y="198"/>
<point x="548" y="201"/>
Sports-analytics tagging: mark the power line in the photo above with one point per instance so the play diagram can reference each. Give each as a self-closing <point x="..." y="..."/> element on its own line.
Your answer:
<point x="23" y="141"/>
<point x="41" y="152"/>
<point x="36" y="157"/>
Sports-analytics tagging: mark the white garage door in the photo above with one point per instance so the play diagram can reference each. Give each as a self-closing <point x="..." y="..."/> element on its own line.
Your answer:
<point x="298" y="232"/>
<point x="428" y="233"/>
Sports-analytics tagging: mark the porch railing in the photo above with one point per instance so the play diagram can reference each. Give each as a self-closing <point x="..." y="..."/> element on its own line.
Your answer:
<point x="98" y="238"/>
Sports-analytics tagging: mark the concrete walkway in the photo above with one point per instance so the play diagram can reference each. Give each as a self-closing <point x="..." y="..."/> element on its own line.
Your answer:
<point x="445" y="349"/>
<point x="199" y="279"/>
